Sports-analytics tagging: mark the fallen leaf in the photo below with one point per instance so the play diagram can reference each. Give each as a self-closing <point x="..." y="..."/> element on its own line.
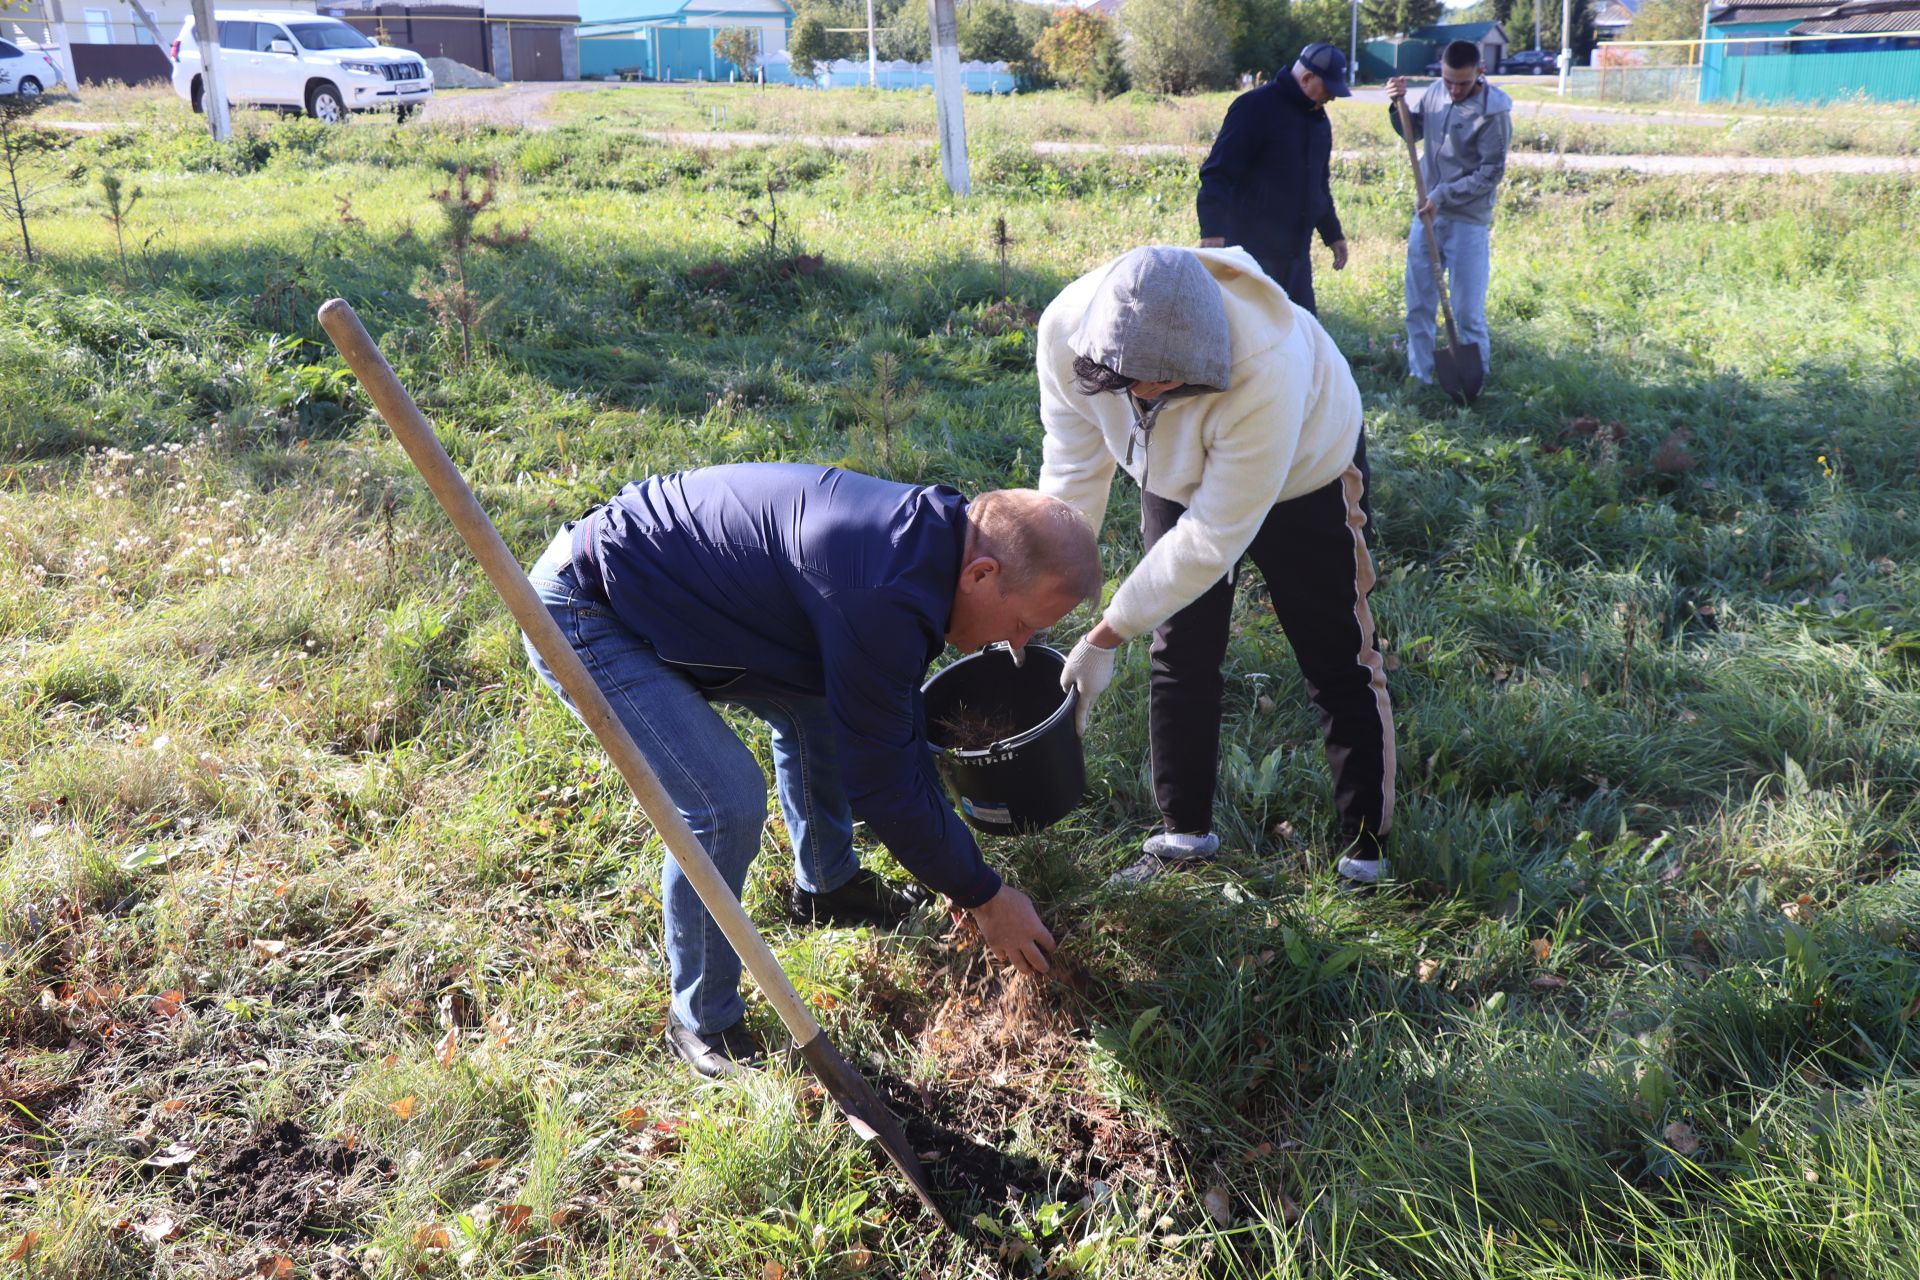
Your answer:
<point x="267" y="948"/>
<point x="391" y="1061"/>
<point x="513" y="1216"/>
<point x="402" y="1108"/>
<point x="278" y="1267"/>
<point x="1542" y="948"/>
<point x="1548" y="982"/>
<point x="448" y="1048"/>
<point x="159" y="1231"/>
<point x="432" y="1237"/>
<point x="859" y="1258"/>
<point x="773" y="1271"/>
<point x="560" y="1217"/>
<point x="1681" y="1137"/>
<point x="178" y="1155"/>
<point x="1218" y="1206"/>
<point x="174" y="1104"/>
<point x="25" y="1246"/>
<point x="1425" y="971"/>
<point x="1289" y="1208"/>
<point x="632" y="1119"/>
<point x="167" y="1003"/>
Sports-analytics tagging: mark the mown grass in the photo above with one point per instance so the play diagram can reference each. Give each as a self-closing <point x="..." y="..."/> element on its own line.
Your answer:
<point x="292" y="835"/>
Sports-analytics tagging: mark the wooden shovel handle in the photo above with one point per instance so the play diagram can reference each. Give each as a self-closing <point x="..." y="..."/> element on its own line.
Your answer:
<point x="416" y="436"/>
<point x="1433" y="241"/>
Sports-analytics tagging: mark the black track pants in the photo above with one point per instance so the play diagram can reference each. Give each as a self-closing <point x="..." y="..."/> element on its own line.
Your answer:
<point x="1312" y="551"/>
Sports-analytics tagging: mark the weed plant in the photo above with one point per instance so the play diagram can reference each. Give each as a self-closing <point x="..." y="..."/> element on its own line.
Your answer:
<point x="326" y="935"/>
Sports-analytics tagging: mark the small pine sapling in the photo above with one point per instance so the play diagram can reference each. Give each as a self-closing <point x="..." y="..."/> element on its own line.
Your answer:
<point x="19" y="143"/>
<point x="120" y="202"/>
<point x="886" y="404"/>
<point x="452" y="298"/>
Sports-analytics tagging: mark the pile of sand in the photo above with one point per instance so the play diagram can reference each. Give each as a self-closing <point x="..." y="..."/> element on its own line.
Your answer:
<point x="448" y="74"/>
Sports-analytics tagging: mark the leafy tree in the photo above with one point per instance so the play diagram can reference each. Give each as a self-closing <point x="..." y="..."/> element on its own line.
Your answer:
<point x="990" y="32"/>
<point x="1666" y="20"/>
<point x="904" y="36"/>
<point x="807" y="46"/>
<point x="1178" y="46"/>
<point x="740" y="46"/>
<point x="1397" y="17"/>
<point x="1066" y="50"/>
<point x="1275" y="31"/>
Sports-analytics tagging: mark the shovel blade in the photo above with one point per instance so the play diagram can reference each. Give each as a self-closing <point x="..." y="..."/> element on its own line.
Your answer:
<point x="869" y="1115"/>
<point x="1459" y="371"/>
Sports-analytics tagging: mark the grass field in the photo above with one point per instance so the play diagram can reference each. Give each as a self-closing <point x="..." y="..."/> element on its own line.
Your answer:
<point x="327" y="938"/>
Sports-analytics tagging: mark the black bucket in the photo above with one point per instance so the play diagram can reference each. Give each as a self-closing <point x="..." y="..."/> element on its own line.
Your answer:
<point x="1030" y="778"/>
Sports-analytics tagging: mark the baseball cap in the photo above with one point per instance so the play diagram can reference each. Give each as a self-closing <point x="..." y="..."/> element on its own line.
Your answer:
<point x="1327" y="62"/>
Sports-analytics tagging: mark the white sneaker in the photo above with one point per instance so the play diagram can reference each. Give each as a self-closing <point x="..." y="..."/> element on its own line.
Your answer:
<point x="1358" y="872"/>
<point x="1165" y="851"/>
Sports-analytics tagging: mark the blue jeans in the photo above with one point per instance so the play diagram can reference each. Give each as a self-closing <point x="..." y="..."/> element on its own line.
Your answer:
<point x="1464" y="254"/>
<point x="712" y="777"/>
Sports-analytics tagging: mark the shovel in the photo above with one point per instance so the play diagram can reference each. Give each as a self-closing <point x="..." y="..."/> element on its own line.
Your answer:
<point x="864" y="1110"/>
<point x="1456" y="367"/>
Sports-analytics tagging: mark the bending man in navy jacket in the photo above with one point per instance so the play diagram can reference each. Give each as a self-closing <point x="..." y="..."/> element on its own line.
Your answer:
<point x="815" y="599"/>
<point x="1266" y="185"/>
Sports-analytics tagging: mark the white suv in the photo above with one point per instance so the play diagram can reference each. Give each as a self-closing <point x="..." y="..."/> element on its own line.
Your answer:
<point x="300" y="62"/>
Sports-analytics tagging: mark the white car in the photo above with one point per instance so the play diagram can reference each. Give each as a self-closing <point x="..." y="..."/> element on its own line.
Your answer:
<point x="300" y="62"/>
<point x="26" y="73"/>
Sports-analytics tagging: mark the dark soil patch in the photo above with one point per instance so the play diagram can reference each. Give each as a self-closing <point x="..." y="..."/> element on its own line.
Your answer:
<point x="281" y="1184"/>
<point x="966" y="728"/>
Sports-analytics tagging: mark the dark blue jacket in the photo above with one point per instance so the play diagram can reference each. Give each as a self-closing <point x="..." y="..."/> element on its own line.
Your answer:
<point x="769" y="578"/>
<point x="1266" y="185"/>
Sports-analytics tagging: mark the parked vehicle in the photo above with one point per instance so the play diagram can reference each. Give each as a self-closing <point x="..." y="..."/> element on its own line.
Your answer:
<point x="26" y="73"/>
<point x="1529" y="62"/>
<point x="299" y="62"/>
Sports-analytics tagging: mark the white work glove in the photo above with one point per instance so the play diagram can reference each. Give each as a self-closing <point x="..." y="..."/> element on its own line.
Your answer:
<point x="1089" y="671"/>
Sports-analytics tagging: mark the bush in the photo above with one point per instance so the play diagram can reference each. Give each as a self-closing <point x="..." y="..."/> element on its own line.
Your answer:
<point x="1178" y="46"/>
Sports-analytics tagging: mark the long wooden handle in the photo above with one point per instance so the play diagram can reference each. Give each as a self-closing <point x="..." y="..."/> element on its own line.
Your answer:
<point x="1433" y="241"/>
<point x="416" y="436"/>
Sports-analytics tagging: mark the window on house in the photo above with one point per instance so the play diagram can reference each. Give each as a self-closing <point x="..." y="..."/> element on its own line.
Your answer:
<point x="99" y="26"/>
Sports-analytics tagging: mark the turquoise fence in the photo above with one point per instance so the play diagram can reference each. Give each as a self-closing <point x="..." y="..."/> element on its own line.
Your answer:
<point x="1761" y="63"/>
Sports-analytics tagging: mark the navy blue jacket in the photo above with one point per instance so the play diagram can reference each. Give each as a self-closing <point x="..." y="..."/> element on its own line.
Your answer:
<point x="770" y="578"/>
<point x="1266" y="185"/>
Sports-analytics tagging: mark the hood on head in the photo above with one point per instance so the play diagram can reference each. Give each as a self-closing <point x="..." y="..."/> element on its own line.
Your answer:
<point x="1157" y="316"/>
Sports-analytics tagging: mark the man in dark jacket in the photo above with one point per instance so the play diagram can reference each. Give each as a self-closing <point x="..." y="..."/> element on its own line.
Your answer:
<point x="813" y="598"/>
<point x="1266" y="184"/>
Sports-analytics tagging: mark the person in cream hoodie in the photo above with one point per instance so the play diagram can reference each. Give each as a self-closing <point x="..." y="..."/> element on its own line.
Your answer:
<point x="1238" y="418"/>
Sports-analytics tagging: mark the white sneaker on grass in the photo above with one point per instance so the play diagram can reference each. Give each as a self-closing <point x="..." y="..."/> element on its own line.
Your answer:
<point x="1166" y="851"/>
<point x="1361" y="872"/>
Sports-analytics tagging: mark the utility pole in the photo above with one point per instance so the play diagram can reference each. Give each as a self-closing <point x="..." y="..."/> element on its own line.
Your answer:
<point x="1536" y="26"/>
<point x="1353" y="44"/>
<point x="948" y="92"/>
<point x="873" y="56"/>
<point x="213" y="78"/>
<point x="1566" y="44"/>
<point x="57" y="28"/>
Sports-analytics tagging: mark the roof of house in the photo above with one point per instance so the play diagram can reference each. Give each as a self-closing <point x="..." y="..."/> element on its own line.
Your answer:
<point x="1615" y="13"/>
<point x="1859" y="19"/>
<point x="1475" y="31"/>
<point x="1735" y="14"/>
<point x="599" y="12"/>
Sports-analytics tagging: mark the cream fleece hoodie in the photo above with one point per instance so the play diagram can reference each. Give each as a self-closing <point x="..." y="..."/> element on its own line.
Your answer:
<point x="1287" y="423"/>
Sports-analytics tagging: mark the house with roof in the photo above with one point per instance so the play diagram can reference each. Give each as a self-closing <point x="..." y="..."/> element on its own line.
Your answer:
<point x="1611" y="18"/>
<point x="1784" y="52"/>
<point x="507" y="39"/>
<point x="1410" y="54"/>
<point x="106" y="41"/>
<point x="673" y="39"/>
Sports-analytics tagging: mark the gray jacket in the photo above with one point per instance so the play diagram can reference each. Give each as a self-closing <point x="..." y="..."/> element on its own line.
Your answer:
<point x="1466" y="152"/>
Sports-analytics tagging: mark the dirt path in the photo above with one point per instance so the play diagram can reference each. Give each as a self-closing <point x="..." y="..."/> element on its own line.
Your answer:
<point x="524" y="106"/>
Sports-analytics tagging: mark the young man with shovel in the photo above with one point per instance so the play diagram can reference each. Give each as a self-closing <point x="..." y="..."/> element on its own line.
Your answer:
<point x="815" y="599"/>
<point x="1467" y="124"/>
<point x="1229" y="405"/>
